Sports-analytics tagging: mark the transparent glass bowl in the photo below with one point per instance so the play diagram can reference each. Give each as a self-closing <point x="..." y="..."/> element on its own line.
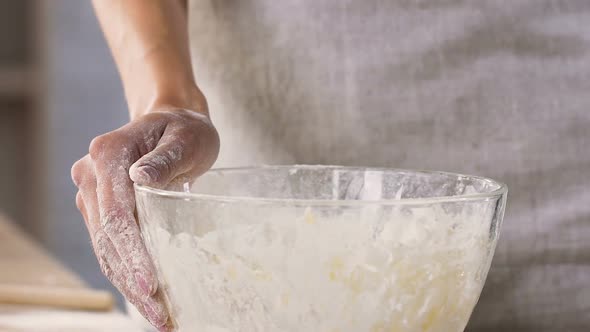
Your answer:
<point x="322" y="248"/>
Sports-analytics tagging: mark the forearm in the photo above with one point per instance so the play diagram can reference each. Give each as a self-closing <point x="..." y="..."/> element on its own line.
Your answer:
<point x="149" y="41"/>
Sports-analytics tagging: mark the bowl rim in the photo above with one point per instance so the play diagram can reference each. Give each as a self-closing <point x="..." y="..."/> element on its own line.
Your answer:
<point x="182" y="195"/>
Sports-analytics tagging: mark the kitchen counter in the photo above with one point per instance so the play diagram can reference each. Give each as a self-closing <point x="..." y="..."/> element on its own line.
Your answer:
<point x="26" y="268"/>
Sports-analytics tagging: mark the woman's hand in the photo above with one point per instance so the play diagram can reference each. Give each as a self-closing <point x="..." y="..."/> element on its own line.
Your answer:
<point x="170" y="136"/>
<point x="152" y="150"/>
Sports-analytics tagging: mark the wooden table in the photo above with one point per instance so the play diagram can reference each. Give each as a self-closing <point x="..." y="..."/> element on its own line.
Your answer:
<point x="23" y="262"/>
<point x="28" y="270"/>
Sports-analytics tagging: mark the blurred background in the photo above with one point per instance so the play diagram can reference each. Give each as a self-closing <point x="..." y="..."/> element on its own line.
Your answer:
<point x="58" y="89"/>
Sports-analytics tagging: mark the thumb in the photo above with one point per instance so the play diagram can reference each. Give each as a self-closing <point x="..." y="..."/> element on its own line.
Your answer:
<point x="170" y="158"/>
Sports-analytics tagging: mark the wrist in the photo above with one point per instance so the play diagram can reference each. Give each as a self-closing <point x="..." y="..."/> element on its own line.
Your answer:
<point x="189" y="97"/>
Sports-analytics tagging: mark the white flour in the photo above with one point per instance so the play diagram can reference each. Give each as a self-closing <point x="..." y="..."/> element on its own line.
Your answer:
<point x="423" y="271"/>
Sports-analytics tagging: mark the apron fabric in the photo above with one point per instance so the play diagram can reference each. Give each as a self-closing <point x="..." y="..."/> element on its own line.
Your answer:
<point x="489" y="87"/>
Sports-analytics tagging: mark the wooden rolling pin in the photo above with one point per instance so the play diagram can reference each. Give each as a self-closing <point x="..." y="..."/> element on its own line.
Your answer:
<point x="57" y="297"/>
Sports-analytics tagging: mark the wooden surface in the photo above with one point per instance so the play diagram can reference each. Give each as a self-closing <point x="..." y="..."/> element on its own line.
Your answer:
<point x="25" y="267"/>
<point x="57" y="297"/>
<point x="30" y="276"/>
<point x="23" y="262"/>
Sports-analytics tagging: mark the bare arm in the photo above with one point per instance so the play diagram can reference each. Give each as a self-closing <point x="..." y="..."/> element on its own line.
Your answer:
<point x="149" y="42"/>
<point x="169" y="136"/>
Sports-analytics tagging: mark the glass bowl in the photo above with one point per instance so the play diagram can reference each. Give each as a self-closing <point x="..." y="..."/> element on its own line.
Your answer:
<point x="322" y="248"/>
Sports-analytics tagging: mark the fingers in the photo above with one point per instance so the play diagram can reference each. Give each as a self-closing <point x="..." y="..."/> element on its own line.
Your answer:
<point x="84" y="178"/>
<point x="152" y="308"/>
<point x="112" y="157"/>
<point x="111" y="265"/>
<point x="81" y="206"/>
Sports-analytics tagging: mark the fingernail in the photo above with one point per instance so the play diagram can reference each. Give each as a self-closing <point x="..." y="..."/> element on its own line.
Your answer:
<point x="143" y="284"/>
<point x="156" y="313"/>
<point x="147" y="174"/>
<point x="152" y="315"/>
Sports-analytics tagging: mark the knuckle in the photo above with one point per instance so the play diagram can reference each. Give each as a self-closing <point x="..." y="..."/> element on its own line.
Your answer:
<point x="99" y="145"/>
<point x="114" y="149"/>
<point x="175" y="152"/>
<point x="101" y="241"/>
<point x="167" y="160"/>
<point x="109" y="220"/>
<point x="100" y="251"/>
<point x="116" y="223"/>
<point x="77" y="172"/>
<point x="79" y="201"/>
<point x="109" y="224"/>
<point x="105" y="268"/>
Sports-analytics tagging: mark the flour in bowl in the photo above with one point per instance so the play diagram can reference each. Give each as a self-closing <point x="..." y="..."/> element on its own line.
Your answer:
<point x="416" y="270"/>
